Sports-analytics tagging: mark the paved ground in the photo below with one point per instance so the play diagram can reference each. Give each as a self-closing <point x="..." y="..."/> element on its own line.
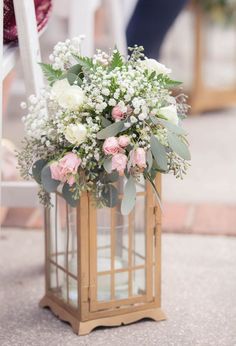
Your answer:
<point x="199" y="285"/>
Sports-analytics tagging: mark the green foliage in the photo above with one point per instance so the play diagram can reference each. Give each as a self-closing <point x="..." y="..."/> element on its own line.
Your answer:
<point x="178" y="146"/>
<point x="116" y="61"/>
<point x="37" y="169"/>
<point x="51" y="74"/>
<point x="159" y="153"/>
<point x="149" y="160"/>
<point x="105" y="121"/>
<point x="110" y="195"/>
<point x="86" y="63"/>
<point x="111" y="130"/>
<point x="169" y="83"/>
<point x="75" y="75"/>
<point x="107" y="164"/>
<point x="49" y="184"/>
<point x="172" y="127"/>
<point x="68" y="195"/>
<point x="128" y="201"/>
<point x="109" y="178"/>
<point x="149" y="177"/>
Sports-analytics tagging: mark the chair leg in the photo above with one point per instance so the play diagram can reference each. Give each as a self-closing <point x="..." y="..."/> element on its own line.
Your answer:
<point x="29" y="45"/>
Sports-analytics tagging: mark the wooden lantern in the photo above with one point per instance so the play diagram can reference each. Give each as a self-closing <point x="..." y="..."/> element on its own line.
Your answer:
<point x="103" y="268"/>
<point x="204" y="98"/>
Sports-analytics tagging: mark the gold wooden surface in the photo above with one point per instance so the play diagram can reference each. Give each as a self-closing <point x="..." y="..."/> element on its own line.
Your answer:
<point x="83" y="328"/>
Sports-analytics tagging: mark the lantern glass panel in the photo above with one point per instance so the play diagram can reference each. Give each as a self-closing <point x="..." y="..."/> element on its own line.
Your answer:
<point x="104" y="288"/>
<point x="121" y="239"/>
<point x="103" y="240"/>
<point x="122" y="285"/>
<point x="139" y="282"/>
<point x="139" y="237"/>
<point x="63" y="251"/>
<point x="121" y="249"/>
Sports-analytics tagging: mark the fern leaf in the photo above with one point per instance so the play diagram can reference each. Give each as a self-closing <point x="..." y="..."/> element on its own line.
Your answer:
<point x="51" y="74"/>
<point x="117" y="60"/>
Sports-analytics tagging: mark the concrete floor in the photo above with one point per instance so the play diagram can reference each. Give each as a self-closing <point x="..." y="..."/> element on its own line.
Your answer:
<point x="199" y="285"/>
<point x="211" y="177"/>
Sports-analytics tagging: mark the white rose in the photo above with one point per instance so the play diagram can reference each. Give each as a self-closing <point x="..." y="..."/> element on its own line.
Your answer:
<point x="170" y="113"/>
<point x="153" y="65"/>
<point x="68" y="96"/>
<point x="76" y="133"/>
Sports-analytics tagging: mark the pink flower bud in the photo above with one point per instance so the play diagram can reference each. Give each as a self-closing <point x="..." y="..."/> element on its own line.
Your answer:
<point x="119" y="162"/>
<point x="138" y="158"/>
<point x="117" y="114"/>
<point x="123" y="141"/>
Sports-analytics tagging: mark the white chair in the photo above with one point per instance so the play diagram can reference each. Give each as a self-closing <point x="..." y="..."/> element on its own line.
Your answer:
<point x="13" y="193"/>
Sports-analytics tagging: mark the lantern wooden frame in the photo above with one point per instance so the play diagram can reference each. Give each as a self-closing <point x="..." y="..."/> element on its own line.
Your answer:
<point x="90" y="312"/>
<point x="204" y="98"/>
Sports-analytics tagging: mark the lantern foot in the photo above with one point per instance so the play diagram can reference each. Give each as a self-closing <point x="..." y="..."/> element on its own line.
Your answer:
<point x="155" y="314"/>
<point x="62" y="314"/>
<point x="85" y="327"/>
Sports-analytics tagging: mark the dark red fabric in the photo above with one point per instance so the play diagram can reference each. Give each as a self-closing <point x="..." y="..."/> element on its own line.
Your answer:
<point x="42" y="10"/>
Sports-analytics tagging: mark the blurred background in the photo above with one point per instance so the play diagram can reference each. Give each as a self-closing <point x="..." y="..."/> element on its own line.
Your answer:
<point x="198" y="41"/>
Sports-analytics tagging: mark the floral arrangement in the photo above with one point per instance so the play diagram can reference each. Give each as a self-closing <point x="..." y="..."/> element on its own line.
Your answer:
<point x="102" y="118"/>
<point x="220" y="11"/>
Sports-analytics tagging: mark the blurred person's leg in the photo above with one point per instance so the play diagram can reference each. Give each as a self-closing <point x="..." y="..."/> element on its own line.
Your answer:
<point x="150" y="22"/>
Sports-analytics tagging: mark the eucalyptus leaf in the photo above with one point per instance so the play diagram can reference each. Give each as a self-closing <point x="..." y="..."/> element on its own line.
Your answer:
<point x="159" y="153"/>
<point x="149" y="159"/>
<point x="151" y="180"/>
<point x="37" y="169"/>
<point x="128" y="201"/>
<point x="76" y="69"/>
<point x="105" y="122"/>
<point x="71" y="77"/>
<point x="107" y="164"/>
<point x="74" y="75"/>
<point x="49" y="184"/>
<point x="111" y="130"/>
<point x="172" y="127"/>
<point x="110" y="195"/>
<point x="178" y="146"/>
<point x="68" y="195"/>
<point x="153" y="173"/>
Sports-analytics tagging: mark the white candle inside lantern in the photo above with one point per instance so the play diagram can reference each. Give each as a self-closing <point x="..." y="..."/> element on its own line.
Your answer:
<point x="104" y="281"/>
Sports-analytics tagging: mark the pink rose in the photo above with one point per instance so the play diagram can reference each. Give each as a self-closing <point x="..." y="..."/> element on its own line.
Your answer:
<point x="111" y="146"/>
<point x="119" y="162"/>
<point x="123" y="141"/>
<point x="56" y="171"/>
<point x="117" y="114"/>
<point x="69" y="164"/>
<point x="65" y="169"/>
<point x="138" y="158"/>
